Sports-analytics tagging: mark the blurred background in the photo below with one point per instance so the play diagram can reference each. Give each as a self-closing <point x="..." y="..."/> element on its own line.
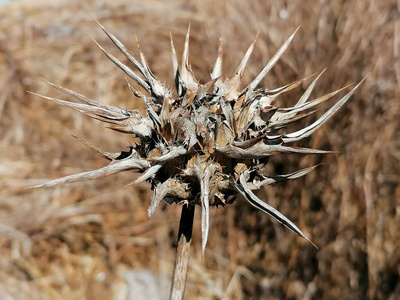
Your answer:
<point x="93" y="240"/>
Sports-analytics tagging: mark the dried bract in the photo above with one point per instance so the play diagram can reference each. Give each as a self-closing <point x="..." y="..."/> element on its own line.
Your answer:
<point x="208" y="144"/>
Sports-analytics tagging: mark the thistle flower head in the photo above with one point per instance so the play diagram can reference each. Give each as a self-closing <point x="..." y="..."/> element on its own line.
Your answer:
<point x="211" y="142"/>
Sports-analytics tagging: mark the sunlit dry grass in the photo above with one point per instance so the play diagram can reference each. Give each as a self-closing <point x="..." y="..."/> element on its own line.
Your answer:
<point x="83" y="239"/>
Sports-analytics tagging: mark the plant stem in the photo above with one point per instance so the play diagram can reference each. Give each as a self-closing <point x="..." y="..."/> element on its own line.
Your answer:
<point x="182" y="252"/>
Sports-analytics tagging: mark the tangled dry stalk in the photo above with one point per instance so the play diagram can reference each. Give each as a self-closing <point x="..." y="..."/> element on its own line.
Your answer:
<point x="68" y="235"/>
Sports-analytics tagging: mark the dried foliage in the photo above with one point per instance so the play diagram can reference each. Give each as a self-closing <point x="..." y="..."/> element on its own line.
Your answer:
<point x="56" y="239"/>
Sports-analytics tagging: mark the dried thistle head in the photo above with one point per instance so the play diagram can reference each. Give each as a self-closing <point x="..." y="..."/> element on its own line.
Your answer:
<point x="208" y="144"/>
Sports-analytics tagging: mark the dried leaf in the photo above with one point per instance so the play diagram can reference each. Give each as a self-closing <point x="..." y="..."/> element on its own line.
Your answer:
<point x="232" y="84"/>
<point x="279" y="178"/>
<point x="172" y="187"/>
<point x="303" y="99"/>
<point x="126" y="69"/>
<point x="271" y="63"/>
<point x="106" y="155"/>
<point x="186" y="71"/>
<point x="123" y="49"/>
<point x="217" y="70"/>
<point x="114" y="167"/>
<point x="262" y="150"/>
<point x="175" y="66"/>
<point x="158" y="90"/>
<point x="204" y="179"/>
<point x="247" y="194"/>
<point x="307" y="131"/>
<point x="172" y="154"/>
<point x="149" y="173"/>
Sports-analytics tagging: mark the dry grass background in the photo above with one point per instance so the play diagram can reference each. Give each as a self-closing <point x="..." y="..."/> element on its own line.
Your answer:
<point x="94" y="240"/>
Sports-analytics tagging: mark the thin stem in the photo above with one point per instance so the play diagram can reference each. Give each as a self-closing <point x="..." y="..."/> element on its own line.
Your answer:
<point x="182" y="252"/>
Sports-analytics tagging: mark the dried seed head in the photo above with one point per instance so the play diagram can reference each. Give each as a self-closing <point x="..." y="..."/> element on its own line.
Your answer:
<point x="209" y="144"/>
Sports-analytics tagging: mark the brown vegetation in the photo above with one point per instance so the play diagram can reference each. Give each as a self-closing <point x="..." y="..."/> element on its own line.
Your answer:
<point x="94" y="239"/>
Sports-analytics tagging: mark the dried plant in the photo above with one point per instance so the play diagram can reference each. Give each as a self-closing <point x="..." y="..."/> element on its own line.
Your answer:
<point x="211" y="142"/>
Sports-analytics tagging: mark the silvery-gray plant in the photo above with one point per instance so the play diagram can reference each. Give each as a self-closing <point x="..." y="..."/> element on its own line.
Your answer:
<point x="209" y="143"/>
